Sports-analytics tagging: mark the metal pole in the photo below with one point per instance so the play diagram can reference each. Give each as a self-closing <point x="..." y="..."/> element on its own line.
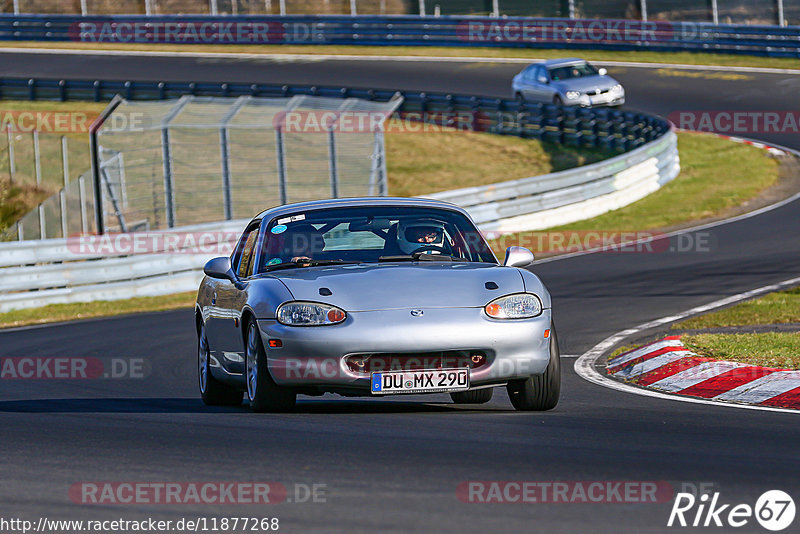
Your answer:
<point x="495" y="8"/>
<point x="280" y="150"/>
<point x="226" y="173"/>
<point x="644" y="10"/>
<point x="65" y="161"/>
<point x="42" y="228"/>
<point x="16" y="7"/>
<point x="572" y="9"/>
<point x="12" y="168"/>
<point x="82" y="197"/>
<point x="169" y="194"/>
<point x="714" y="12"/>
<point x="383" y="7"/>
<point x="781" y="20"/>
<point x="421" y="8"/>
<point x="37" y="159"/>
<point x="283" y="7"/>
<point x="148" y="7"/>
<point x="212" y="7"/>
<point x="63" y="197"/>
<point x="94" y="152"/>
<point x="353" y="8"/>
<point x="84" y="8"/>
<point x="234" y="7"/>
<point x="332" y="167"/>
<point x="268" y="6"/>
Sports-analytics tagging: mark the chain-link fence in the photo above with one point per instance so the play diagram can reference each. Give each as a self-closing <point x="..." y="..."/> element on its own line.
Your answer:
<point x="202" y="159"/>
<point x="723" y="11"/>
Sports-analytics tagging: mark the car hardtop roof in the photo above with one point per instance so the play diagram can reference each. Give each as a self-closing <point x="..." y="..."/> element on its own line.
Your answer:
<point x="562" y="62"/>
<point x="357" y="202"/>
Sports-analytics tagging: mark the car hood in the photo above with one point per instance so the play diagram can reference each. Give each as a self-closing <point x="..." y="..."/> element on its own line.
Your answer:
<point x="382" y="286"/>
<point x="588" y="84"/>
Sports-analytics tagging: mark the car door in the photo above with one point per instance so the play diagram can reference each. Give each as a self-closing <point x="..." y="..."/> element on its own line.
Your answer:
<point x="222" y="323"/>
<point x="236" y="299"/>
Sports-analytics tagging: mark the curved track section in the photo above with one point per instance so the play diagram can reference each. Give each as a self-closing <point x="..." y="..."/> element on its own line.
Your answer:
<point x="396" y="464"/>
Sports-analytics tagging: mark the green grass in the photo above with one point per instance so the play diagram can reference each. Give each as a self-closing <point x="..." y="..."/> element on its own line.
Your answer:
<point x="682" y="58"/>
<point x="423" y="163"/>
<point x="775" y="349"/>
<point x="716" y="175"/>
<point x="775" y="308"/>
<point x="101" y="308"/>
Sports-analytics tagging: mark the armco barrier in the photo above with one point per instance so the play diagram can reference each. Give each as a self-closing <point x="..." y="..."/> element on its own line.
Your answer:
<point x="510" y="32"/>
<point x="53" y="271"/>
<point x="563" y="197"/>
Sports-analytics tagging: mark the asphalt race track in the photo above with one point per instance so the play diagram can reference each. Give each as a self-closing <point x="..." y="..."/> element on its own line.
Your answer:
<point x="394" y="465"/>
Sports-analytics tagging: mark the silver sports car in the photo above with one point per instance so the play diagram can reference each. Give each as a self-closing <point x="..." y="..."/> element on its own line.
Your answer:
<point x="373" y="297"/>
<point x="569" y="82"/>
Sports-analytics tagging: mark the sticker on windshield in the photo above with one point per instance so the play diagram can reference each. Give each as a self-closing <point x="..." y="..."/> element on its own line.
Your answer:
<point x="274" y="261"/>
<point x="293" y="218"/>
<point x="279" y="229"/>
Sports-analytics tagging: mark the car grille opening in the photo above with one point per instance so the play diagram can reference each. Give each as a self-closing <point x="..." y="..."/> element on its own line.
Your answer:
<point x="375" y="362"/>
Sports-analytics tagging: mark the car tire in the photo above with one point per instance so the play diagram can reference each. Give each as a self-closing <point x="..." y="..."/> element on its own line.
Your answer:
<point x="263" y="393"/>
<point x="476" y="396"/>
<point x="212" y="391"/>
<point x="539" y="393"/>
<point x="557" y="101"/>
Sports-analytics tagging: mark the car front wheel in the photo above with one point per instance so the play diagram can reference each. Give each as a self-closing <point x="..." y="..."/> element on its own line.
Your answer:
<point x="262" y="391"/>
<point x="212" y="391"/>
<point x="539" y="393"/>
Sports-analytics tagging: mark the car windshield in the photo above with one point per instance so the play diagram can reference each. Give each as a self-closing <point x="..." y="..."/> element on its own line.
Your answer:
<point x="371" y="234"/>
<point x="572" y="71"/>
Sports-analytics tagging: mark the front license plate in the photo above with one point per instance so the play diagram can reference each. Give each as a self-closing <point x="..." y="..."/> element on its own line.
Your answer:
<point x="422" y="381"/>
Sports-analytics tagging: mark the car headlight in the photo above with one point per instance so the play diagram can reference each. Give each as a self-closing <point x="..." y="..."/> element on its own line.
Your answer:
<point x="309" y="314"/>
<point x="572" y="95"/>
<point x="617" y="89"/>
<point x="518" y="306"/>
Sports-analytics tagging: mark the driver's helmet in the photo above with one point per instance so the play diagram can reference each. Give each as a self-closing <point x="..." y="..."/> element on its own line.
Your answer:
<point x="425" y="235"/>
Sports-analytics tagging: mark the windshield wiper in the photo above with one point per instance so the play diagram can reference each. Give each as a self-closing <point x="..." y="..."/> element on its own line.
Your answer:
<point x="421" y="256"/>
<point x="308" y="263"/>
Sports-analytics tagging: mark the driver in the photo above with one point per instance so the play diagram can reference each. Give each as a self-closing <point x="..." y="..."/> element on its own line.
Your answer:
<point x="420" y="236"/>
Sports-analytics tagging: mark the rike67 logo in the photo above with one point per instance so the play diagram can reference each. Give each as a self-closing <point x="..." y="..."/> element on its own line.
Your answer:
<point x="774" y="510"/>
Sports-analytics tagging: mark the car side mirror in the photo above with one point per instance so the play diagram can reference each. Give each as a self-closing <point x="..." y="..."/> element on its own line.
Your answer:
<point x="518" y="257"/>
<point x="220" y="268"/>
<point x="602" y="71"/>
<point x="543" y="80"/>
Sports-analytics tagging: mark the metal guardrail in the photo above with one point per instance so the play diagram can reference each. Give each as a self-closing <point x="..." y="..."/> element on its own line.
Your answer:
<point x="460" y="31"/>
<point x="563" y="197"/>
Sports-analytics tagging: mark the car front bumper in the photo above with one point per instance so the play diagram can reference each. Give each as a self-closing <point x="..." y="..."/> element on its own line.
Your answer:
<point x="315" y="356"/>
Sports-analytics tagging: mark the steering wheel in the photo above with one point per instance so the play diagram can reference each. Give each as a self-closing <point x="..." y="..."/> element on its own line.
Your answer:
<point x="424" y="248"/>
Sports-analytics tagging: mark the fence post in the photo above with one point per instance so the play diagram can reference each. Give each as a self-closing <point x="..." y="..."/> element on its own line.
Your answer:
<point x="495" y="8"/>
<point x="16" y="7"/>
<point x="280" y="150"/>
<point x="82" y="197"/>
<point x="332" y="167"/>
<point x="714" y="12"/>
<point x="94" y="152"/>
<point x="12" y="167"/>
<point x="65" y="166"/>
<point x="268" y="6"/>
<point x="148" y="7"/>
<point x="225" y="154"/>
<point x="571" y="9"/>
<point x="212" y="7"/>
<point x="781" y="20"/>
<point x="644" y="10"/>
<point x="166" y="159"/>
<point x="421" y="8"/>
<point x="37" y="160"/>
<point x="283" y="7"/>
<point x="84" y="8"/>
<point x="353" y="8"/>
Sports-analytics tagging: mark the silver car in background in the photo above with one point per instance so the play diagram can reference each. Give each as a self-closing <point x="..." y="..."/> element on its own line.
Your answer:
<point x="569" y="82"/>
<point x="372" y="297"/>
